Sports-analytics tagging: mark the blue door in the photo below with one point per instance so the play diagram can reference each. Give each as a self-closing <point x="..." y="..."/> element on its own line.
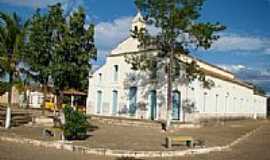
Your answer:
<point x="176" y="102"/>
<point x="132" y="97"/>
<point x="114" y="102"/>
<point x="153" y="104"/>
<point x="99" y="101"/>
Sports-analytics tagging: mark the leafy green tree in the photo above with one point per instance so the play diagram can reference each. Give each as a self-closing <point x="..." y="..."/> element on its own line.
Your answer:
<point x="45" y="33"/>
<point x="74" y="49"/>
<point x="3" y="88"/>
<point x="179" y="31"/>
<point x="60" y="49"/>
<point x="39" y="51"/>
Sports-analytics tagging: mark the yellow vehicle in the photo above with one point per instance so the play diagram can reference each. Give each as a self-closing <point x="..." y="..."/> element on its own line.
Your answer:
<point x="50" y="105"/>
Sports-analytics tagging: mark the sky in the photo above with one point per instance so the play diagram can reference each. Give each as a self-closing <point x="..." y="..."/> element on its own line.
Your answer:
<point x="244" y="47"/>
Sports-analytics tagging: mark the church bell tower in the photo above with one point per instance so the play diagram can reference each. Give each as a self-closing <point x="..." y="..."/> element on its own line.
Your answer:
<point x="138" y="22"/>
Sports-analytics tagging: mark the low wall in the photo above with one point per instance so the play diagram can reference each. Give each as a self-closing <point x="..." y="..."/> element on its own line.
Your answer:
<point x="193" y="118"/>
<point x="123" y="121"/>
<point x="198" y="117"/>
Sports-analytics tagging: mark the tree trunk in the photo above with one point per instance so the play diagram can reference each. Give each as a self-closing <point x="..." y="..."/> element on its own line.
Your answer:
<point x="8" y="113"/>
<point x="169" y="92"/>
<point x="10" y="96"/>
<point x="60" y="99"/>
<point x="27" y="99"/>
<point x="45" y="92"/>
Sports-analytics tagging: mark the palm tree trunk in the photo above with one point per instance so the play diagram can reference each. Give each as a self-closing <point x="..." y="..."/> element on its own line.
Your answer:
<point x="8" y="112"/>
<point x="10" y="96"/>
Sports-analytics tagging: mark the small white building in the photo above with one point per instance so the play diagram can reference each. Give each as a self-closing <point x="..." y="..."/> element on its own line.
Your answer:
<point x="117" y="90"/>
<point x="35" y="99"/>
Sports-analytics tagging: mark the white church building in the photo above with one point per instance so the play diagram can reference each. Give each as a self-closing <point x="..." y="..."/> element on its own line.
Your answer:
<point x="117" y="90"/>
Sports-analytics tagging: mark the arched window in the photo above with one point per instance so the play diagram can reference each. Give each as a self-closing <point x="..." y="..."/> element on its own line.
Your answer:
<point x="136" y="28"/>
<point x="100" y="77"/>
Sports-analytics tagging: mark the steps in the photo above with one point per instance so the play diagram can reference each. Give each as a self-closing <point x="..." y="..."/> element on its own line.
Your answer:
<point x="18" y="117"/>
<point x="2" y="116"/>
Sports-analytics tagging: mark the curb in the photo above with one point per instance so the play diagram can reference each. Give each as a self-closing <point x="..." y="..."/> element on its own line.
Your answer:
<point x="126" y="153"/>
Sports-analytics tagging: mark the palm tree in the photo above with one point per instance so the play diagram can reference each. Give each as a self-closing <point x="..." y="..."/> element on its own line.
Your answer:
<point x="12" y="36"/>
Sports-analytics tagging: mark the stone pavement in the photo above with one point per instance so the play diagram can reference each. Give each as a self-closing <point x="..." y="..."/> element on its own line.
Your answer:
<point x="140" y="141"/>
<point x="146" y="138"/>
<point x="254" y="147"/>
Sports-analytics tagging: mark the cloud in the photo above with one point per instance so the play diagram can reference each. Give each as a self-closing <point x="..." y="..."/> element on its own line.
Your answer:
<point x="254" y="74"/>
<point x="247" y="73"/>
<point x="68" y="5"/>
<point x="101" y="59"/>
<point x="235" y="42"/>
<point x="233" y="68"/>
<point x="109" y="34"/>
<point x="33" y="3"/>
<point x="267" y="51"/>
<point x="259" y="77"/>
<point x="264" y="84"/>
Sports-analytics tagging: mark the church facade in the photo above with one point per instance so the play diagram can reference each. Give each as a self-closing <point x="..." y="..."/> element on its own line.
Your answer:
<point x="117" y="90"/>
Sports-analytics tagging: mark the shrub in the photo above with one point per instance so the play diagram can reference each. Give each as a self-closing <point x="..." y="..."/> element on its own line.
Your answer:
<point x="76" y="124"/>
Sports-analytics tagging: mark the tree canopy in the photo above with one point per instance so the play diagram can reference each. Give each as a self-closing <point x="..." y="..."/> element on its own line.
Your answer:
<point x="179" y="31"/>
<point x="71" y="60"/>
<point x="60" y="49"/>
<point x="39" y="48"/>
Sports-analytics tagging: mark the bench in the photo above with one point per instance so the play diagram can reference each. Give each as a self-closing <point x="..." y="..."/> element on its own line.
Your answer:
<point x="179" y="139"/>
